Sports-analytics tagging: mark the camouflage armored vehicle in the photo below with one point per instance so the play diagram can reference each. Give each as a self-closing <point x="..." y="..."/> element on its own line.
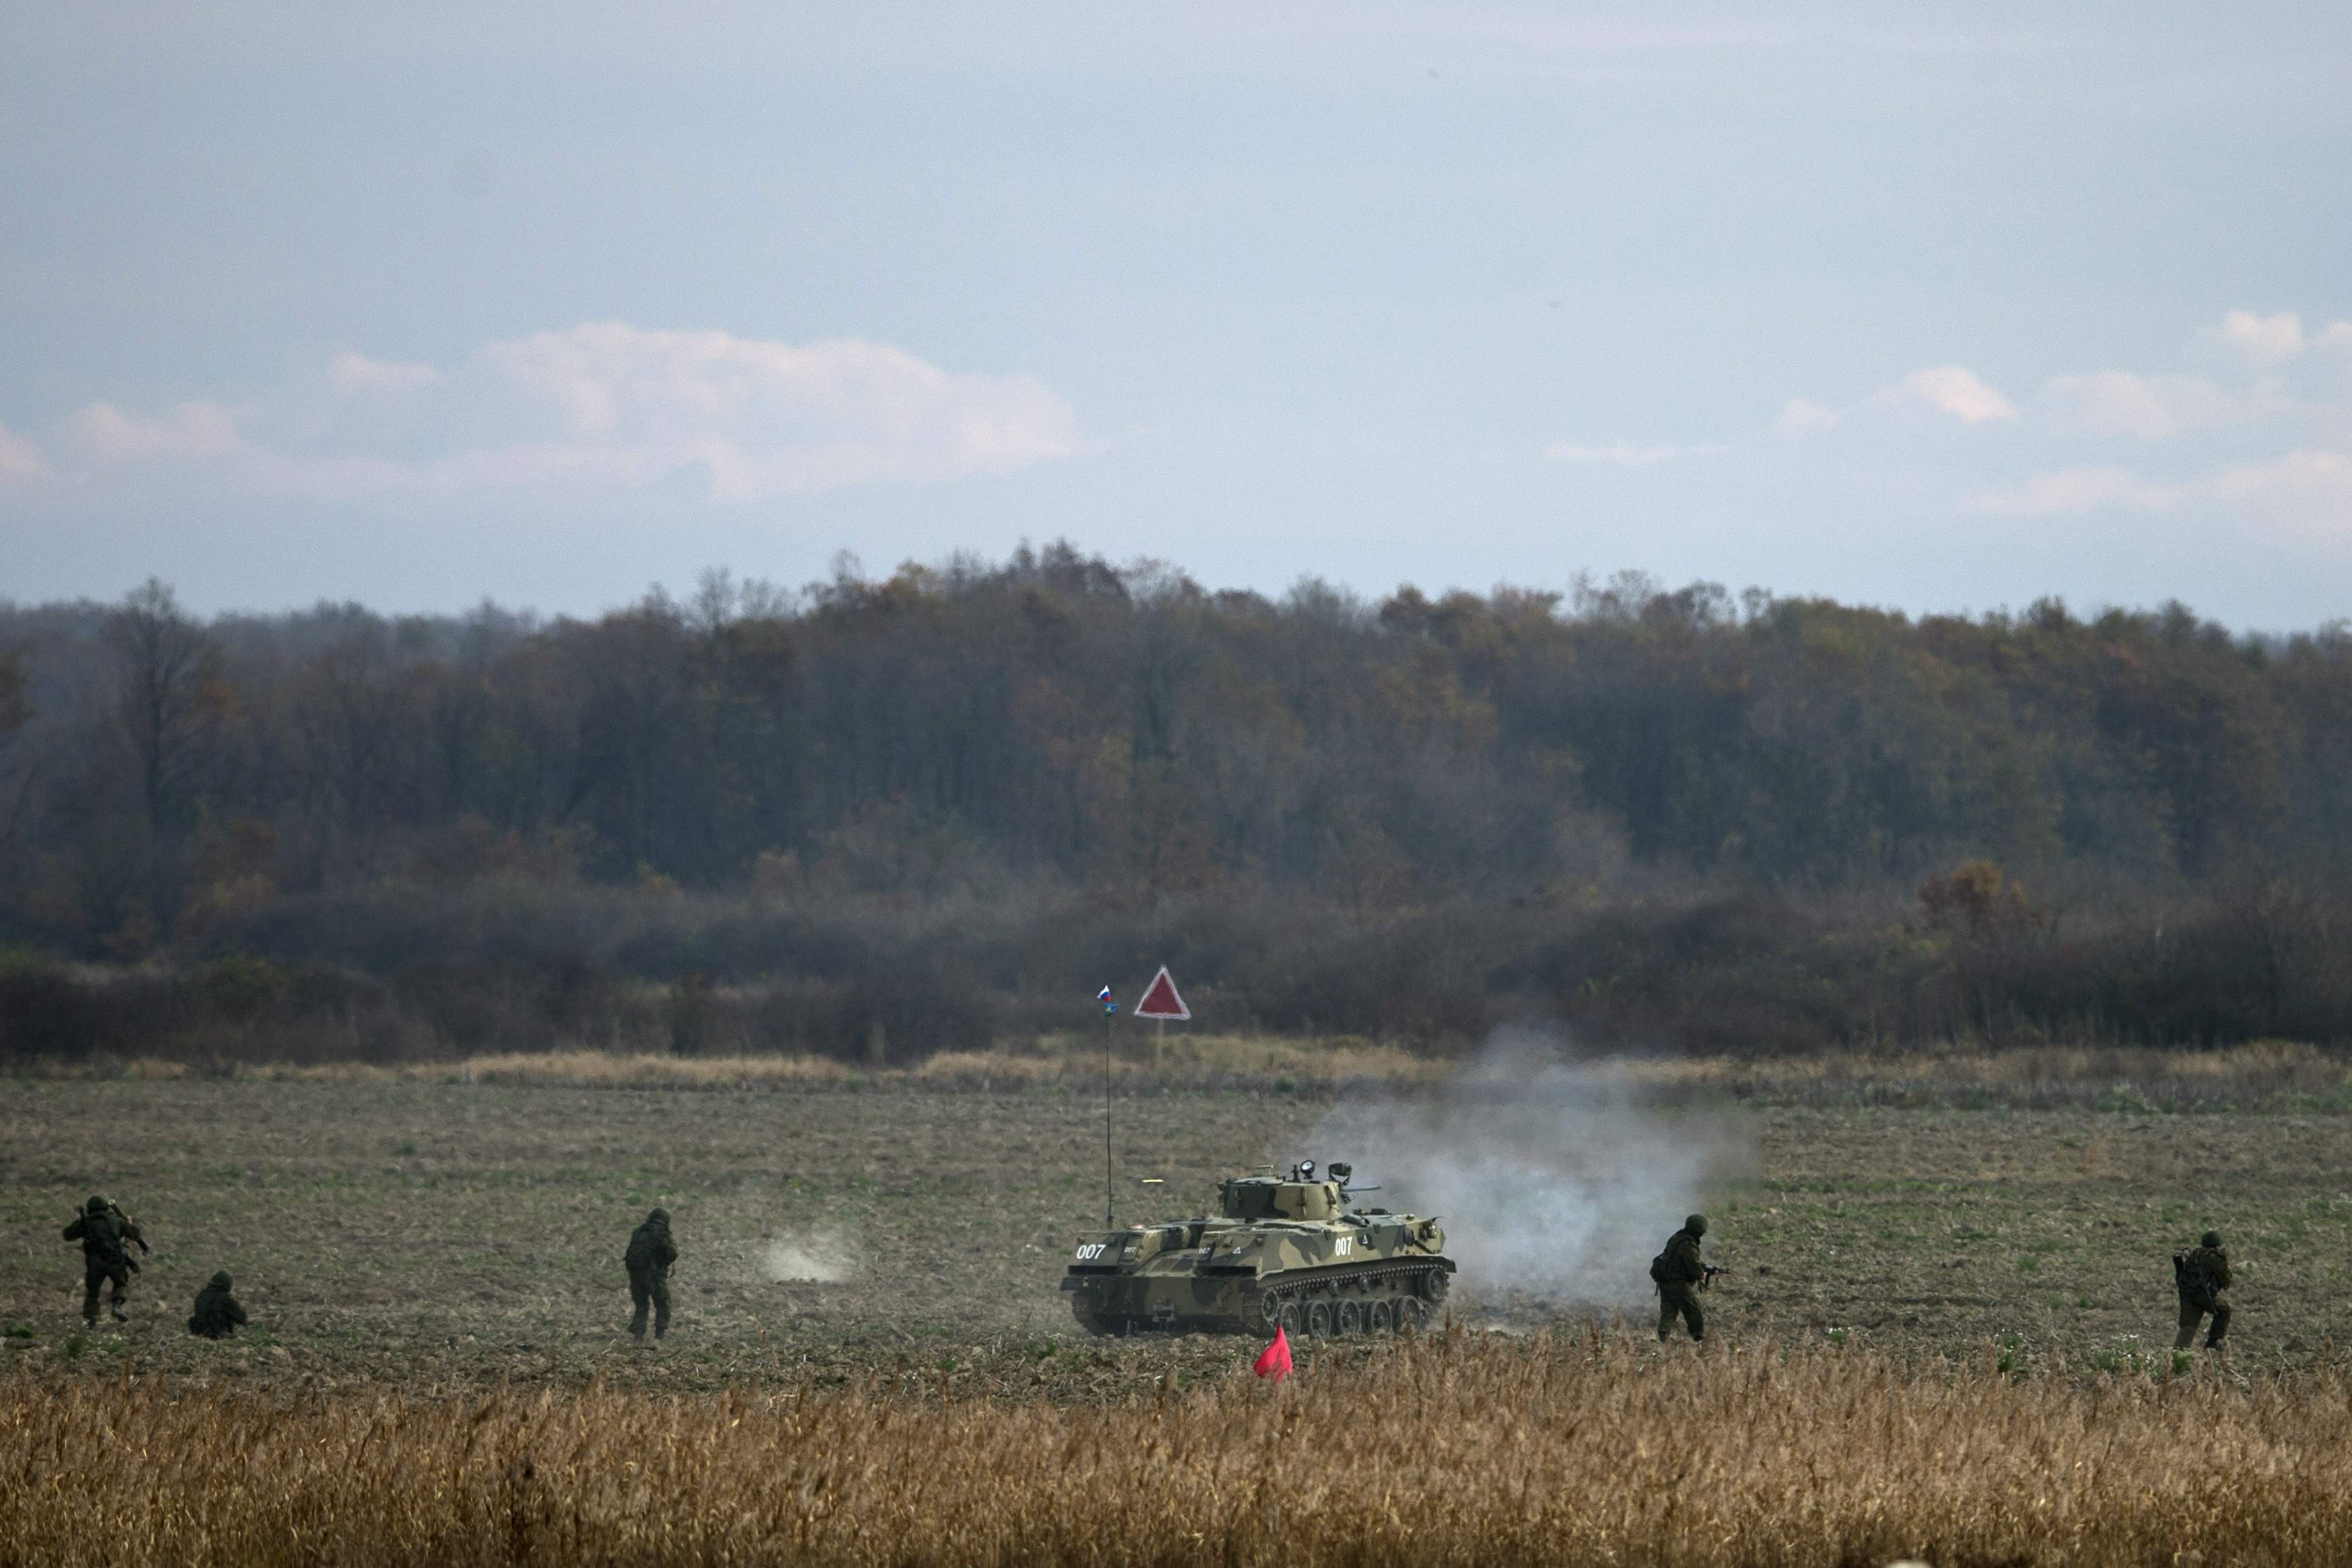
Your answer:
<point x="1294" y="1252"/>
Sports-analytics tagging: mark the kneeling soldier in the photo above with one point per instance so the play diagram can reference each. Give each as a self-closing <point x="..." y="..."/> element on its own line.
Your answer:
<point x="217" y="1315"/>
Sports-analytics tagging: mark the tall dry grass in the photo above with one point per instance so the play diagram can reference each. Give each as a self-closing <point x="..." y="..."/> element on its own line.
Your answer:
<point x="1552" y="1450"/>
<point x="2265" y="1075"/>
<point x="1193" y="1061"/>
<point x="2261" y="1074"/>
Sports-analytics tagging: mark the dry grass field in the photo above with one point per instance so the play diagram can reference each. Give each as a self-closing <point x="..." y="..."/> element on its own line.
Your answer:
<point x="1947" y="1334"/>
<point x="1454" y="1449"/>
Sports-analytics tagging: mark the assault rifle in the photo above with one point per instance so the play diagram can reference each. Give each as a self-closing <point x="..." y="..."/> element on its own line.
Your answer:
<point x="1712" y="1271"/>
<point x="129" y="1224"/>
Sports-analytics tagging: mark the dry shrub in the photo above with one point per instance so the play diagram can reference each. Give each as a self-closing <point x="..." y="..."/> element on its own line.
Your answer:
<point x="2263" y="1075"/>
<point x="1192" y="1062"/>
<point x="618" y="1070"/>
<point x="1555" y="1448"/>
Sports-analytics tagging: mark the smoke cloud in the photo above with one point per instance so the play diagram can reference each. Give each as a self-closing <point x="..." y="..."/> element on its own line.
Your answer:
<point x="818" y="1257"/>
<point x="1552" y="1178"/>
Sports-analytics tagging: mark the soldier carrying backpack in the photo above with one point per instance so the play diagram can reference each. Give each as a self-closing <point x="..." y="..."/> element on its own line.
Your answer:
<point x="102" y="1228"/>
<point x="650" y="1254"/>
<point x="1680" y="1273"/>
<point x="2201" y="1276"/>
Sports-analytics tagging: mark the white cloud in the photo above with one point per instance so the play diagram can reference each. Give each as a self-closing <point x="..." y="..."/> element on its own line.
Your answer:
<point x="2259" y="340"/>
<point x="2259" y="443"/>
<point x="2118" y="402"/>
<point x="1959" y="394"/>
<point x="2072" y="490"/>
<point x="2307" y="492"/>
<point x="2324" y="472"/>
<point x="1948" y="389"/>
<point x="357" y="373"/>
<point x="1623" y="454"/>
<point x="605" y="405"/>
<point x="104" y="434"/>
<point x="19" y="458"/>
<point x="766" y="418"/>
<point x="1803" y="416"/>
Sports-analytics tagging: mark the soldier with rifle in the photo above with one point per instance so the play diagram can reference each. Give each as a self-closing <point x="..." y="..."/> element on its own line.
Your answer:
<point x="2201" y="1276"/>
<point x="1680" y="1274"/>
<point x="649" y="1257"/>
<point x="102" y="1228"/>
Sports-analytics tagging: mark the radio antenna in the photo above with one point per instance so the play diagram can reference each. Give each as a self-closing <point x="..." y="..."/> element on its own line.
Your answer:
<point x="1111" y="1175"/>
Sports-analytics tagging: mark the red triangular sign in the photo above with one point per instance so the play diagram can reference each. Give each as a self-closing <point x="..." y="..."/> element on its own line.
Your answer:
<point x="1273" y="1361"/>
<point x="1161" y="1000"/>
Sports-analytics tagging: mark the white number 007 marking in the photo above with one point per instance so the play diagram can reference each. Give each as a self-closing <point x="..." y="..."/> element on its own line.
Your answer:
<point x="1090" y="1250"/>
<point x="1345" y="1245"/>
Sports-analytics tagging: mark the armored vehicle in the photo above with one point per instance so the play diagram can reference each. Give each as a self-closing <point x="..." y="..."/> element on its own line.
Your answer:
<point x="1293" y="1251"/>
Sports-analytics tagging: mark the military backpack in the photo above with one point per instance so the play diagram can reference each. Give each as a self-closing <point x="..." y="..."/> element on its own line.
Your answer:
<point x="102" y="1234"/>
<point x="2190" y="1279"/>
<point x="645" y="1250"/>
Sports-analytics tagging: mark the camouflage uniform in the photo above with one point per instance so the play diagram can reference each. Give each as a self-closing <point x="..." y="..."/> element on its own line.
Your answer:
<point x="1680" y="1272"/>
<point x="217" y="1315"/>
<point x="650" y="1254"/>
<point x="102" y="1229"/>
<point x="2214" y="1264"/>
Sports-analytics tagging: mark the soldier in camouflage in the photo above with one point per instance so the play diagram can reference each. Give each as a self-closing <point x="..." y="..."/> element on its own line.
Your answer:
<point x="217" y="1315"/>
<point x="2204" y="1283"/>
<point x="1680" y="1274"/>
<point x="650" y="1254"/>
<point x="102" y="1228"/>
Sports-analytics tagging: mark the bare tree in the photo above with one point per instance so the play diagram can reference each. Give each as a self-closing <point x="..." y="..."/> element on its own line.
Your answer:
<point x="15" y="713"/>
<point x="350" y="712"/>
<point x="170" y="700"/>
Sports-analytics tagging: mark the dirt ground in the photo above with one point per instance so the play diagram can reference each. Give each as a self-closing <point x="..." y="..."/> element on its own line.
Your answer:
<point x="446" y="1236"/>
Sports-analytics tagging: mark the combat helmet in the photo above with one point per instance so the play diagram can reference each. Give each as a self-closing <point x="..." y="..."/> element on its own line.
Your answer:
<point x="96" y="1205"/>
<point x="221" y="1280"/>
<point x="658" y="1217"/>
<point x="2210" y="1239"/>
<point x="1696" y="1224"/>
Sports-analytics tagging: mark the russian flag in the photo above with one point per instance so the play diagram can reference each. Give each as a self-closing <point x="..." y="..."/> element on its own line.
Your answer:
<point x="1102" y="995"/>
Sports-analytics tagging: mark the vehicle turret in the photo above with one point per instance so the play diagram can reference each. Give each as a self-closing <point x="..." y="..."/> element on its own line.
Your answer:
<point x="1295" y="1251"/>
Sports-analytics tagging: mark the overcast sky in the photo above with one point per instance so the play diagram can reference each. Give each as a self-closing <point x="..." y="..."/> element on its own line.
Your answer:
<point x="1946" y="309"/>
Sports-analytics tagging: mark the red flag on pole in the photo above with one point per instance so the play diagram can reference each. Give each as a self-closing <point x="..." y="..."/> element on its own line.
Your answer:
<point x="1274" y="1360"/>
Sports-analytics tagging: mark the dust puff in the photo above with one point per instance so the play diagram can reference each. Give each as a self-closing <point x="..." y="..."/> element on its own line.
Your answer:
<point x="1552" y="1177"/>
<point x="817" y="1257"/>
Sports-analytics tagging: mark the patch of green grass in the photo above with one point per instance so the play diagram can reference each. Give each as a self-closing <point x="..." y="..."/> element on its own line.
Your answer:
<point x="2126" y="1357"/>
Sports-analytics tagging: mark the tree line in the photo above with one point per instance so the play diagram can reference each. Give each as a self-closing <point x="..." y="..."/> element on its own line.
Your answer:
<point x="979" y="774"/>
